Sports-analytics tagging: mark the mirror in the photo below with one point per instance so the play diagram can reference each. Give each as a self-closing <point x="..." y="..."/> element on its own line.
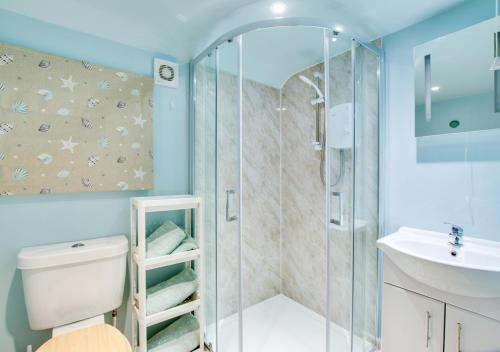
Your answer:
<point x="455" y="89"/>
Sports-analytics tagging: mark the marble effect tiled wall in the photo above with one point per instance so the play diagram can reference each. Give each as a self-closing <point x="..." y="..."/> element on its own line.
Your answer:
<point x="261" y="193"/>
<point x="303" y="239"/>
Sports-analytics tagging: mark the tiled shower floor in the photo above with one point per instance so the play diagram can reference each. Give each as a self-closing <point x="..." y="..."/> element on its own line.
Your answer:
<point x="280" y="324"/>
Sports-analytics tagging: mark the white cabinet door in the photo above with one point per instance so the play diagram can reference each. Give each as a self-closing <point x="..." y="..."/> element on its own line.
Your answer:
<point x="411" y="322"/>
<point x="469" y="332"/>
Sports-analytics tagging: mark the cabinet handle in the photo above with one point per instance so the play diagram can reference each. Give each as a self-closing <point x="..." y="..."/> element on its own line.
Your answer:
<point x="459" y="337"/>
<point x="229" y="193"/>
<point x="429" y="316"/>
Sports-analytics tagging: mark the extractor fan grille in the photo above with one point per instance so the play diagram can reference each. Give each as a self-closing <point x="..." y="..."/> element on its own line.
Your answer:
<point x="166" y="73"/>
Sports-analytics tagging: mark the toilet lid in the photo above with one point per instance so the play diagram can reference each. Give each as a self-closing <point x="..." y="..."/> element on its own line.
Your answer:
<point x="97" y="338"/>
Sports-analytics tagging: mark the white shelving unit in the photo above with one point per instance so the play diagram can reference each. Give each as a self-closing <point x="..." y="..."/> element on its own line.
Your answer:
<point x="139" y="264"/>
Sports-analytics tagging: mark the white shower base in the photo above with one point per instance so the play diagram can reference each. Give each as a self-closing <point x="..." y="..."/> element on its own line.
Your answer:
<point x="280" y="324"/>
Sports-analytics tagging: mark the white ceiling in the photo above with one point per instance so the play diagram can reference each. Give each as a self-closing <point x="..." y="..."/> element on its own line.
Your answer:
<point x="272" y="55"/>
<point x="183" y="28"/>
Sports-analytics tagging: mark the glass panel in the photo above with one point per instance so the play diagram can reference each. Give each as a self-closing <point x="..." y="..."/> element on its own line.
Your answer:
<point x="228" y="190"/>
<point x="366" y="216"/>
<point x="340" y="146"/>
<point x="283" y="226"/>
<point x="204" y="82"/>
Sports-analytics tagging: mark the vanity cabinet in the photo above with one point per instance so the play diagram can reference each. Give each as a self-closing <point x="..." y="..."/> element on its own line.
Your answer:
<point x="412" y="322"/>
<point x="470" y="332"/>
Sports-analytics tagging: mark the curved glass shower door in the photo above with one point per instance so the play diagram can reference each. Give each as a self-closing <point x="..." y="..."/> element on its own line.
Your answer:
<point x="286" y="159"/>
<point x="204" y="85"/>
<point x="367" y="66"/>
<point x="353" y="197"/>
<point x="229" y="196"/>
<point x="216" y="98"/>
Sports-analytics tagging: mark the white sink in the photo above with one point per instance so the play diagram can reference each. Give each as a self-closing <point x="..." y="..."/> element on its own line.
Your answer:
<point x="426" y="257"/>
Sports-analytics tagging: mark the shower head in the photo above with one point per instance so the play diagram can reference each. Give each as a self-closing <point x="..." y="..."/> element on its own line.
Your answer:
<point x="310" y="83"/>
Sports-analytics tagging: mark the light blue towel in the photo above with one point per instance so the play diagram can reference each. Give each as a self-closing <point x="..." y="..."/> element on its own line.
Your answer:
<point x="170" y="293"/>
<point x="188" y="244"/>
<point x="164" y="240"/>
<point x="183" y="335"/>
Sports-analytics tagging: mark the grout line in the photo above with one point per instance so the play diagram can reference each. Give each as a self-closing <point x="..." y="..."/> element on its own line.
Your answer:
<point x="281" y="190"/>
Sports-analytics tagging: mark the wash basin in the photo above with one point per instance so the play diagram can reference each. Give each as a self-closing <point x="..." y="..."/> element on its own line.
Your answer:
<point x="426" y="256"/>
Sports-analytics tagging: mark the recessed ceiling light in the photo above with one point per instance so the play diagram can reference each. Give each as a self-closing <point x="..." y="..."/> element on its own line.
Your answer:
<point x="436" y="88"/>
<point x="278" y="7"/>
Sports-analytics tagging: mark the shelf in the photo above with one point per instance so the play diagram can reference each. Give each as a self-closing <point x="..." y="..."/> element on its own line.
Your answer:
<point x="139" y="264"/>
<point x="171" y="313"/>
<point x="166" y="260"/>
<point x="165" y="203"/>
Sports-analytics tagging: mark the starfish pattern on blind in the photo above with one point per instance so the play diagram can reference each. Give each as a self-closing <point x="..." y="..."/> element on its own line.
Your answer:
<point x="69" y="144"/>
<point x="139" y="173"/>
<point x="138" y="120"/>
<point x="68" y="83"/>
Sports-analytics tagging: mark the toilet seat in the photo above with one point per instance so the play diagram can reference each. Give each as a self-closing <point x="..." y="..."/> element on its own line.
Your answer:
<point x="97" y="338"/>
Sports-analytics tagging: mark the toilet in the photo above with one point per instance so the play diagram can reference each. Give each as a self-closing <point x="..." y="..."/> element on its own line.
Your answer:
<point x="68" y="287"/>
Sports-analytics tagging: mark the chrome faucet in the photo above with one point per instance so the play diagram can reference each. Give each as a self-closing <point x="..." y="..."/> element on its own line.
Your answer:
<point x="456" y="235"/>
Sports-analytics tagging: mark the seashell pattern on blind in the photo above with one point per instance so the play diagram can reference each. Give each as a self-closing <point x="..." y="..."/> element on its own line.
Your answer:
<point x="6" y="127"/>
<point x="20" y="106"/>
<point x="87" y="123"/>
<point x="44" y="63"/>
<point x="20" y="174"/>
<point x="6" y="59"/>
<point x="46" y="94"/>
<point x="68" y="126"/>
<point x="45" y="158"/>
<point x="87" y="65"/>
<point x="44" y="127"/>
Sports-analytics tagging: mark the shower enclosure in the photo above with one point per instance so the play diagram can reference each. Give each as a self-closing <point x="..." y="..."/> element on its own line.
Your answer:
<point x="286" y="156"/>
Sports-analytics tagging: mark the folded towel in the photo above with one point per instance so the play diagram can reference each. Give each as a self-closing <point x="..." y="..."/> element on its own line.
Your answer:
<point x="164" y="240"/>
<point x="183" y="335"/>
<point x="170" y="293"/>
<point x="188" y="244"/>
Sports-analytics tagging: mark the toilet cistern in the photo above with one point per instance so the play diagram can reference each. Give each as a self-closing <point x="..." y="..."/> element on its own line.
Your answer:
<point x="65" y="283"/>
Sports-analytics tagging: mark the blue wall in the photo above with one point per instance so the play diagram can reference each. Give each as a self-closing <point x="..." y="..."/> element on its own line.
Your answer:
<point x="441" y="178"/>
<point x="34" y="220"/>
